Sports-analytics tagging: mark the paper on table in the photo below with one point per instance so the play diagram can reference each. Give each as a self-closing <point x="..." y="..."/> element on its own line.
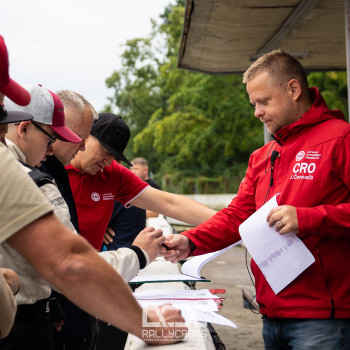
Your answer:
<point x="192" y="266"/>
<point x="193" y="310"/>
<point x="206" y="316"/>
<point x="206" y="304"/>
<point x="185" y="294"/>
<point x="197" y="305"/>
<point x="165" y="278"/>
<point x="281" y="258"/>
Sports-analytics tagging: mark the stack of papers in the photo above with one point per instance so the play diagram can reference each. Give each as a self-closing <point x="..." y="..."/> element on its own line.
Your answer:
<point x="195" y="305"/>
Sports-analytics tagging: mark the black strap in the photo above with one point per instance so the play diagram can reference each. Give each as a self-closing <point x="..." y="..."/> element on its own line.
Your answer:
<point x="39" y="177"/>
<point x="140" y="255"/>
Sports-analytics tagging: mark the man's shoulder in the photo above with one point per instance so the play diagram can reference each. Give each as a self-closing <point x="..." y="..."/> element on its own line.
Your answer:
<point x="41" y="178"/>
<point x="330" y="129"/>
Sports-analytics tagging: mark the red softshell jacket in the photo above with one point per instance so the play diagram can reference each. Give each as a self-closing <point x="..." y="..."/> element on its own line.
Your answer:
<point x="312" y="173"/>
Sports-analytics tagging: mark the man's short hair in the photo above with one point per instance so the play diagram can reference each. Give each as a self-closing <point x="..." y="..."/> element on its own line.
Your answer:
<point x="141" y="161"/>
<point x="74" y="100"/>
<point x="278" y="63"/>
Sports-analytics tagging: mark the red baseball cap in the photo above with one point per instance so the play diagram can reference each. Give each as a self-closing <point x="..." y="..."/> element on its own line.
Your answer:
<point x="47" y="108"/>
<point x="9" y="87"/>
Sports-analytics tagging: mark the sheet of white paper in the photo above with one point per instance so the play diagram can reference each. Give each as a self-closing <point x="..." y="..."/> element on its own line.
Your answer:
<point x="195" y="305"/>
<point x="206" y="316"/>
<point x="192" y="267"/>
<point x="164" y="277"/>
<point x="193" y="310"/>
<point x="175" y="294"/>
<point x="207" y="304"/>
<point x="281" y="258"/>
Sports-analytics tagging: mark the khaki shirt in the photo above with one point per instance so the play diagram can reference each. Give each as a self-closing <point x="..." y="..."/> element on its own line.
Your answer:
<point x="33" y="287"/>
<point x="21" y="202"/>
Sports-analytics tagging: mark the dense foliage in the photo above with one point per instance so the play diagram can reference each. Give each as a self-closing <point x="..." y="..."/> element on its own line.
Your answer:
<point x="196" y="130"/>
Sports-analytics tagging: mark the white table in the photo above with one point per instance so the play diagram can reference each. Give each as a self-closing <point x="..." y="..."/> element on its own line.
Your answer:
<point x="199" y="336"/>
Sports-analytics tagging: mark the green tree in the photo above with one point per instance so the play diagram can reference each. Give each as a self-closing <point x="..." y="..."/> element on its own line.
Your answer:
<point x="196" y="130"/>
<point x="333" y="87"/>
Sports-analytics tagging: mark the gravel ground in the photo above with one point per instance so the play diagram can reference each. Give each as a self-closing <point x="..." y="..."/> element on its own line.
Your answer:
<point x="229" y="271"/>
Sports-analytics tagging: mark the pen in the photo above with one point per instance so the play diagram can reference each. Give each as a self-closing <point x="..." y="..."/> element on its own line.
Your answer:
<point x="163" y="245"/>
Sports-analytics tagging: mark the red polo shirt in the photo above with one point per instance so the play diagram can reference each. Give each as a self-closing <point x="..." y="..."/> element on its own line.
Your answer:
<point x="94" y="197"/>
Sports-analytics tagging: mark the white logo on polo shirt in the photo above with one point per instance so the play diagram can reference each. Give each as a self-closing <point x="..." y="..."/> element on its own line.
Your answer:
<point x="300" y="156"/>
<point x="95" y="196"/>
<point x="108" y="197"/>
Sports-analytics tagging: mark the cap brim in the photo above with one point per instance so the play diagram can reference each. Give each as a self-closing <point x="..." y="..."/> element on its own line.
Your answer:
<point x="65" y="134"/>
<point x="16" y="93"/>
<point x="14" y="117"/>
<point x="115" y="153"/>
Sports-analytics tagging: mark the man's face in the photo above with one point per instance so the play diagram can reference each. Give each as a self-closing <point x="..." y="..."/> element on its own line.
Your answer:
<point x="274" y="105"/>
<point x="140" y="170"/>
<point x="35" y="144"/>
<point x="80" y="123"/>
<point x="94" y="158"/>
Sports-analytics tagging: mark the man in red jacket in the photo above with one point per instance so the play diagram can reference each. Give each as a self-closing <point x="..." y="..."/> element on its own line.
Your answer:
<point x="312" y="174"/>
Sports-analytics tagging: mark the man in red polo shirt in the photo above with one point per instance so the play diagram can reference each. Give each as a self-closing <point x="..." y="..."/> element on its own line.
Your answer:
<point x="97" y="180"/>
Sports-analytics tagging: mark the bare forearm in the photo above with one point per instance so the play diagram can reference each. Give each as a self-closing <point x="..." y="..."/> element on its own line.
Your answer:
<point x="70" y="263"/>
<point x="175" y="206"/>
<point x="106" y="295"/>
<point x="191" y="211"/>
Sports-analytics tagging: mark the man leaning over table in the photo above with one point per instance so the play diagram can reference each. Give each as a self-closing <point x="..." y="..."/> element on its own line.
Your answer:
<point x="68" y="260"/>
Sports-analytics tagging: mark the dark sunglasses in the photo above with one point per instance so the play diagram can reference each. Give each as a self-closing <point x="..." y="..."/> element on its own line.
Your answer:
<point x="3" y="112"/>
<point x="52" y="139"/>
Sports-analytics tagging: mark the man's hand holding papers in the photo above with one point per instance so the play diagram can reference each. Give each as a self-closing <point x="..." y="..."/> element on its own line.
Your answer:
<point x="284" y="218"/>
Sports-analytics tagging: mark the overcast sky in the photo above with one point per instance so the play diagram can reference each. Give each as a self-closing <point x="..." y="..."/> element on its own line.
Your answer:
<point x="73" y="44"/>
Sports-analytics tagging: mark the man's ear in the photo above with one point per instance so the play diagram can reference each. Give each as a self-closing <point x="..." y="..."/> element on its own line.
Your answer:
<point x="23" y="128"/>
<point x="294" y="89"/>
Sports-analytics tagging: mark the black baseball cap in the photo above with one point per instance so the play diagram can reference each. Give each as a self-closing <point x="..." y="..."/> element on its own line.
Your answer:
<point x="13" y="117"/>
<point x="113" y="134"/>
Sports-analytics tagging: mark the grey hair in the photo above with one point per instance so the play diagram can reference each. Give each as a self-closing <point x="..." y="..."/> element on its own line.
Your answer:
<point x="72" y="99"/>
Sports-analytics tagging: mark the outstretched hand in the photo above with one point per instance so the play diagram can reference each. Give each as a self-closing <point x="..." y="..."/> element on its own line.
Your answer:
<point x="179" y="248"/>
<point x="150" y="240"/>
